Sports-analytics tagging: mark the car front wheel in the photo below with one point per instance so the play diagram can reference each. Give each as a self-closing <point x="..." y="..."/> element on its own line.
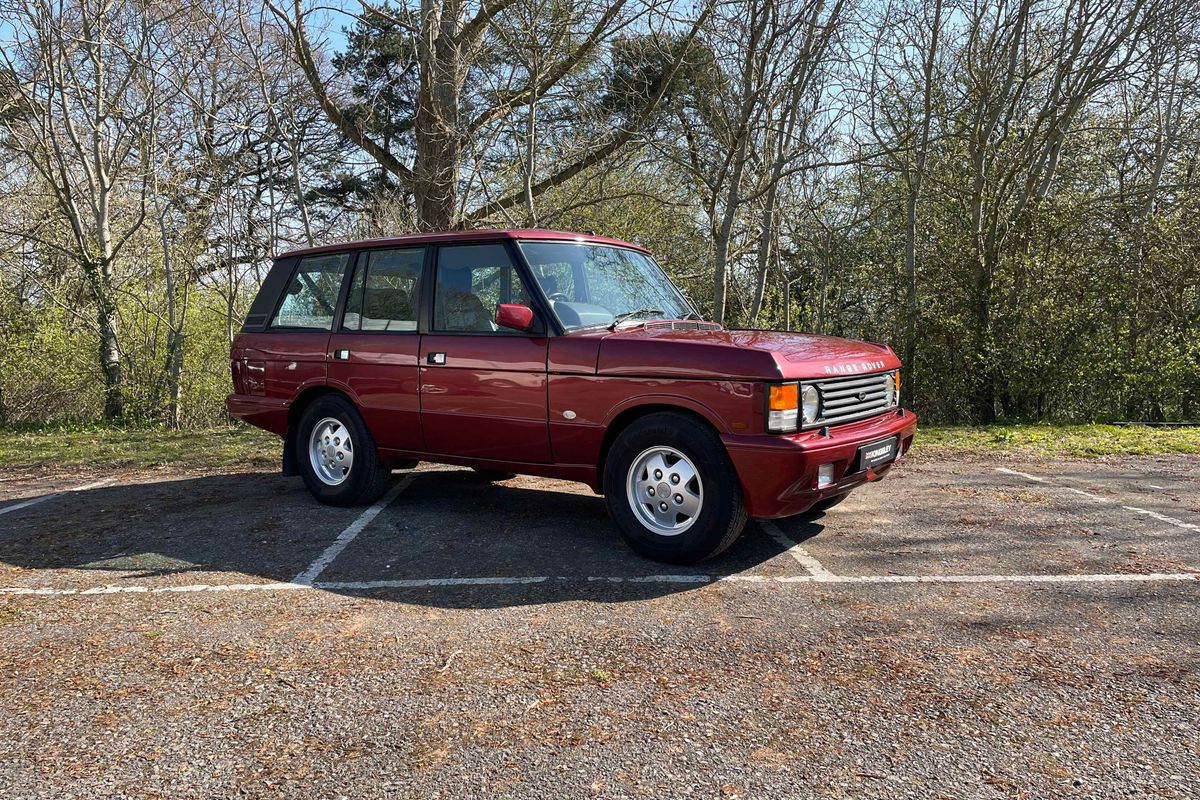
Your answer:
<point x="672" y="490"/>
<point x="337" y="456"/>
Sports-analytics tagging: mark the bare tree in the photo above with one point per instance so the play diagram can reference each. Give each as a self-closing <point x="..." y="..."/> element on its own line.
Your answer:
<point x="749" y="124"/>
<point x="904" y="80"/>
<point x="448" y="43"/>
<point x="84" y="102"/>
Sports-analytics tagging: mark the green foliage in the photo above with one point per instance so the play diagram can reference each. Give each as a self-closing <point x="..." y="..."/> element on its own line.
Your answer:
<point x="49" y="369"/>
<point x="50" y="373"/>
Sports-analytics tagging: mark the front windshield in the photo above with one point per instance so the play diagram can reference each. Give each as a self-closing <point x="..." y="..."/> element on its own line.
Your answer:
<point x="591" y="285"/>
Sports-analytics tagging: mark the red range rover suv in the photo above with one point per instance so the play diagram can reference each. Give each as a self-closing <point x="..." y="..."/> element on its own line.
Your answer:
<point x="561" y="355"/>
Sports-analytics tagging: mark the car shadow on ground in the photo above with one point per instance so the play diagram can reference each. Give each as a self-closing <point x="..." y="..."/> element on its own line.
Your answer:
<point x="448" y="539"/>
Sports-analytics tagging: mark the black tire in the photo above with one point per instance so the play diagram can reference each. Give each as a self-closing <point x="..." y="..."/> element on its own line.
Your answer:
<point x="722" y="514"/>
<point x="821" y="506"/>
<point x="367" y="477"/>
<point x="493" y="474"/>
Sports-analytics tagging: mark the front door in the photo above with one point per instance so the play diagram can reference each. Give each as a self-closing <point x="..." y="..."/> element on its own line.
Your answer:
<point x="373" y="355"/>
<point x="483" y="388"/>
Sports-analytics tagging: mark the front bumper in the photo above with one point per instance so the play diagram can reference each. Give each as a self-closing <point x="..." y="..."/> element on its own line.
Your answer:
<point x="779" y="473"/>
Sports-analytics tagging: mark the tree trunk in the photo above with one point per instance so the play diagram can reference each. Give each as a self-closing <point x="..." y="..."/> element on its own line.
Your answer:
<point x="438" y="152"/>
<point x="106" y="313"/>
<point x="983" y="395"/>
<point x="110" y="352"/>
<point x="823" y="292"/>
<point x="765" y="244"/>
<point x="531" y="218"/>
<point x="720" y="274"/>
<point x="911" y="299"/>
<point x="175" y="316"/>
<point x="725" y="234"/>
<point x="910" y="280"/>
<point x="298" y="181"/>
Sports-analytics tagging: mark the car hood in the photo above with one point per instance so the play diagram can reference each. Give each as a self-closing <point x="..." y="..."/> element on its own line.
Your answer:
<point x="660" y="350"/>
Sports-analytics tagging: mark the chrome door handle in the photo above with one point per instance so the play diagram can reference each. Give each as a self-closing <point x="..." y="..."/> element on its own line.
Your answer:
<point x="341" y="355"/>
<point x="435" y="358"/>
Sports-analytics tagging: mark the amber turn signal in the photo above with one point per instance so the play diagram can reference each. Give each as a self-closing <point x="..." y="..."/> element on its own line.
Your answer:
<point x="784" y="397"/>
<point x="783" y="401"/>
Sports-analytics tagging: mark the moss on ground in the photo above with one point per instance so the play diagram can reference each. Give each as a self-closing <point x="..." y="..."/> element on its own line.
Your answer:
<point x="137" y="448"/>
<point x="1061" y="440"/>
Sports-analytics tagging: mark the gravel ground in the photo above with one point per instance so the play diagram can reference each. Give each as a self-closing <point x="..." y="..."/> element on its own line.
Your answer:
<point x="649" y="686"/>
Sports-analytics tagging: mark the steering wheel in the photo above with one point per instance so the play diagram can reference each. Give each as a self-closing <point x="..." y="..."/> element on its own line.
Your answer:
<point x="559" y="297"/>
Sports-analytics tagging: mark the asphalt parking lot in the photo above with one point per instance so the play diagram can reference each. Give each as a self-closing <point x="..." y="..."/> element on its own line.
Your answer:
<point x="969" y="627"/>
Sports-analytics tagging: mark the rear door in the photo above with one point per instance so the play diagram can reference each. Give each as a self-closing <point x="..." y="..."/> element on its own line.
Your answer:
<point x="483" y="388"/>
<point x="375" y="351"/>
<point x="291" y="355"/>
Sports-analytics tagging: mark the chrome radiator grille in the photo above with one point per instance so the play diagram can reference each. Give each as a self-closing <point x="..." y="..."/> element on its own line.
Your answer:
<point x="844" y="399"/>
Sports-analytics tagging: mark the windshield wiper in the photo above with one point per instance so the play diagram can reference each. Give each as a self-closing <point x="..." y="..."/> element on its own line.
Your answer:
<point x="619" y="318"/>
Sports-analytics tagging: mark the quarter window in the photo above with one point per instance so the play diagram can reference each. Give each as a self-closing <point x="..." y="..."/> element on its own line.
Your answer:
<point x="385" y="292"/>
<point x="471" y="281"/>
<point x="313" y="293"/>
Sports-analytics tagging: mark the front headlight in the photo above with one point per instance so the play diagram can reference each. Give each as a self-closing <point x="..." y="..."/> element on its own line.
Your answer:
<point x="810" y="400"/>
<point x="893" y="394"/>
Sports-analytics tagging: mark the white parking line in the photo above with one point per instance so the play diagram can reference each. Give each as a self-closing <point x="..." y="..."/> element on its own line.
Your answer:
<point x="309" y="574"/>
<point x="184" y="589"/>
<point x="1114" y="577"/>
<point x="424" y="583"/>
<point x="1088" y="495"/>
<point x="1024" y="475"/>
<point x="806" y="560"/>
<point x="1178" y="523"/>
<point x="35" y="500"/>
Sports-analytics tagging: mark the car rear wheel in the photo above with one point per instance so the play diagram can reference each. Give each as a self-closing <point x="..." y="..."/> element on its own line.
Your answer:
<point x="337" y="456"/>
<point x="672" y="490"/>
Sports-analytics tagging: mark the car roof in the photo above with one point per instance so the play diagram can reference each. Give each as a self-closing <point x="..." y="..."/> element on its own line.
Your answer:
<point x="444" y="237"/>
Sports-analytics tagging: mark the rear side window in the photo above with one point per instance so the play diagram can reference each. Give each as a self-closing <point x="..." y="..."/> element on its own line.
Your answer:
<point x="313" y="293"/>
<point x="386" y="291"/>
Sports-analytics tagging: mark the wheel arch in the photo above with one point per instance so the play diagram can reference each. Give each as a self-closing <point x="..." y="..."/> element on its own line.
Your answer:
<point x="631" y="414"/>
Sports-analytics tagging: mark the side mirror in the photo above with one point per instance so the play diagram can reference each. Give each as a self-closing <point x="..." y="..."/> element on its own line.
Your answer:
<point x="516" y="317"/>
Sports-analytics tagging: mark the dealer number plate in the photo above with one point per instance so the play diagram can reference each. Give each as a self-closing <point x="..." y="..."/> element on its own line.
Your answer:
<point x="876" y="453"/>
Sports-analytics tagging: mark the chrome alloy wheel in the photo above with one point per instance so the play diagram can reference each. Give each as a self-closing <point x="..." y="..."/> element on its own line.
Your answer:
<point x="331" y="451"/>
<point x="665" y="490"/>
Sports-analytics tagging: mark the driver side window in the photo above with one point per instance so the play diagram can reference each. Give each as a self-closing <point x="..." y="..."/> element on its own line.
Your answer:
<point x="471" y="281"/>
